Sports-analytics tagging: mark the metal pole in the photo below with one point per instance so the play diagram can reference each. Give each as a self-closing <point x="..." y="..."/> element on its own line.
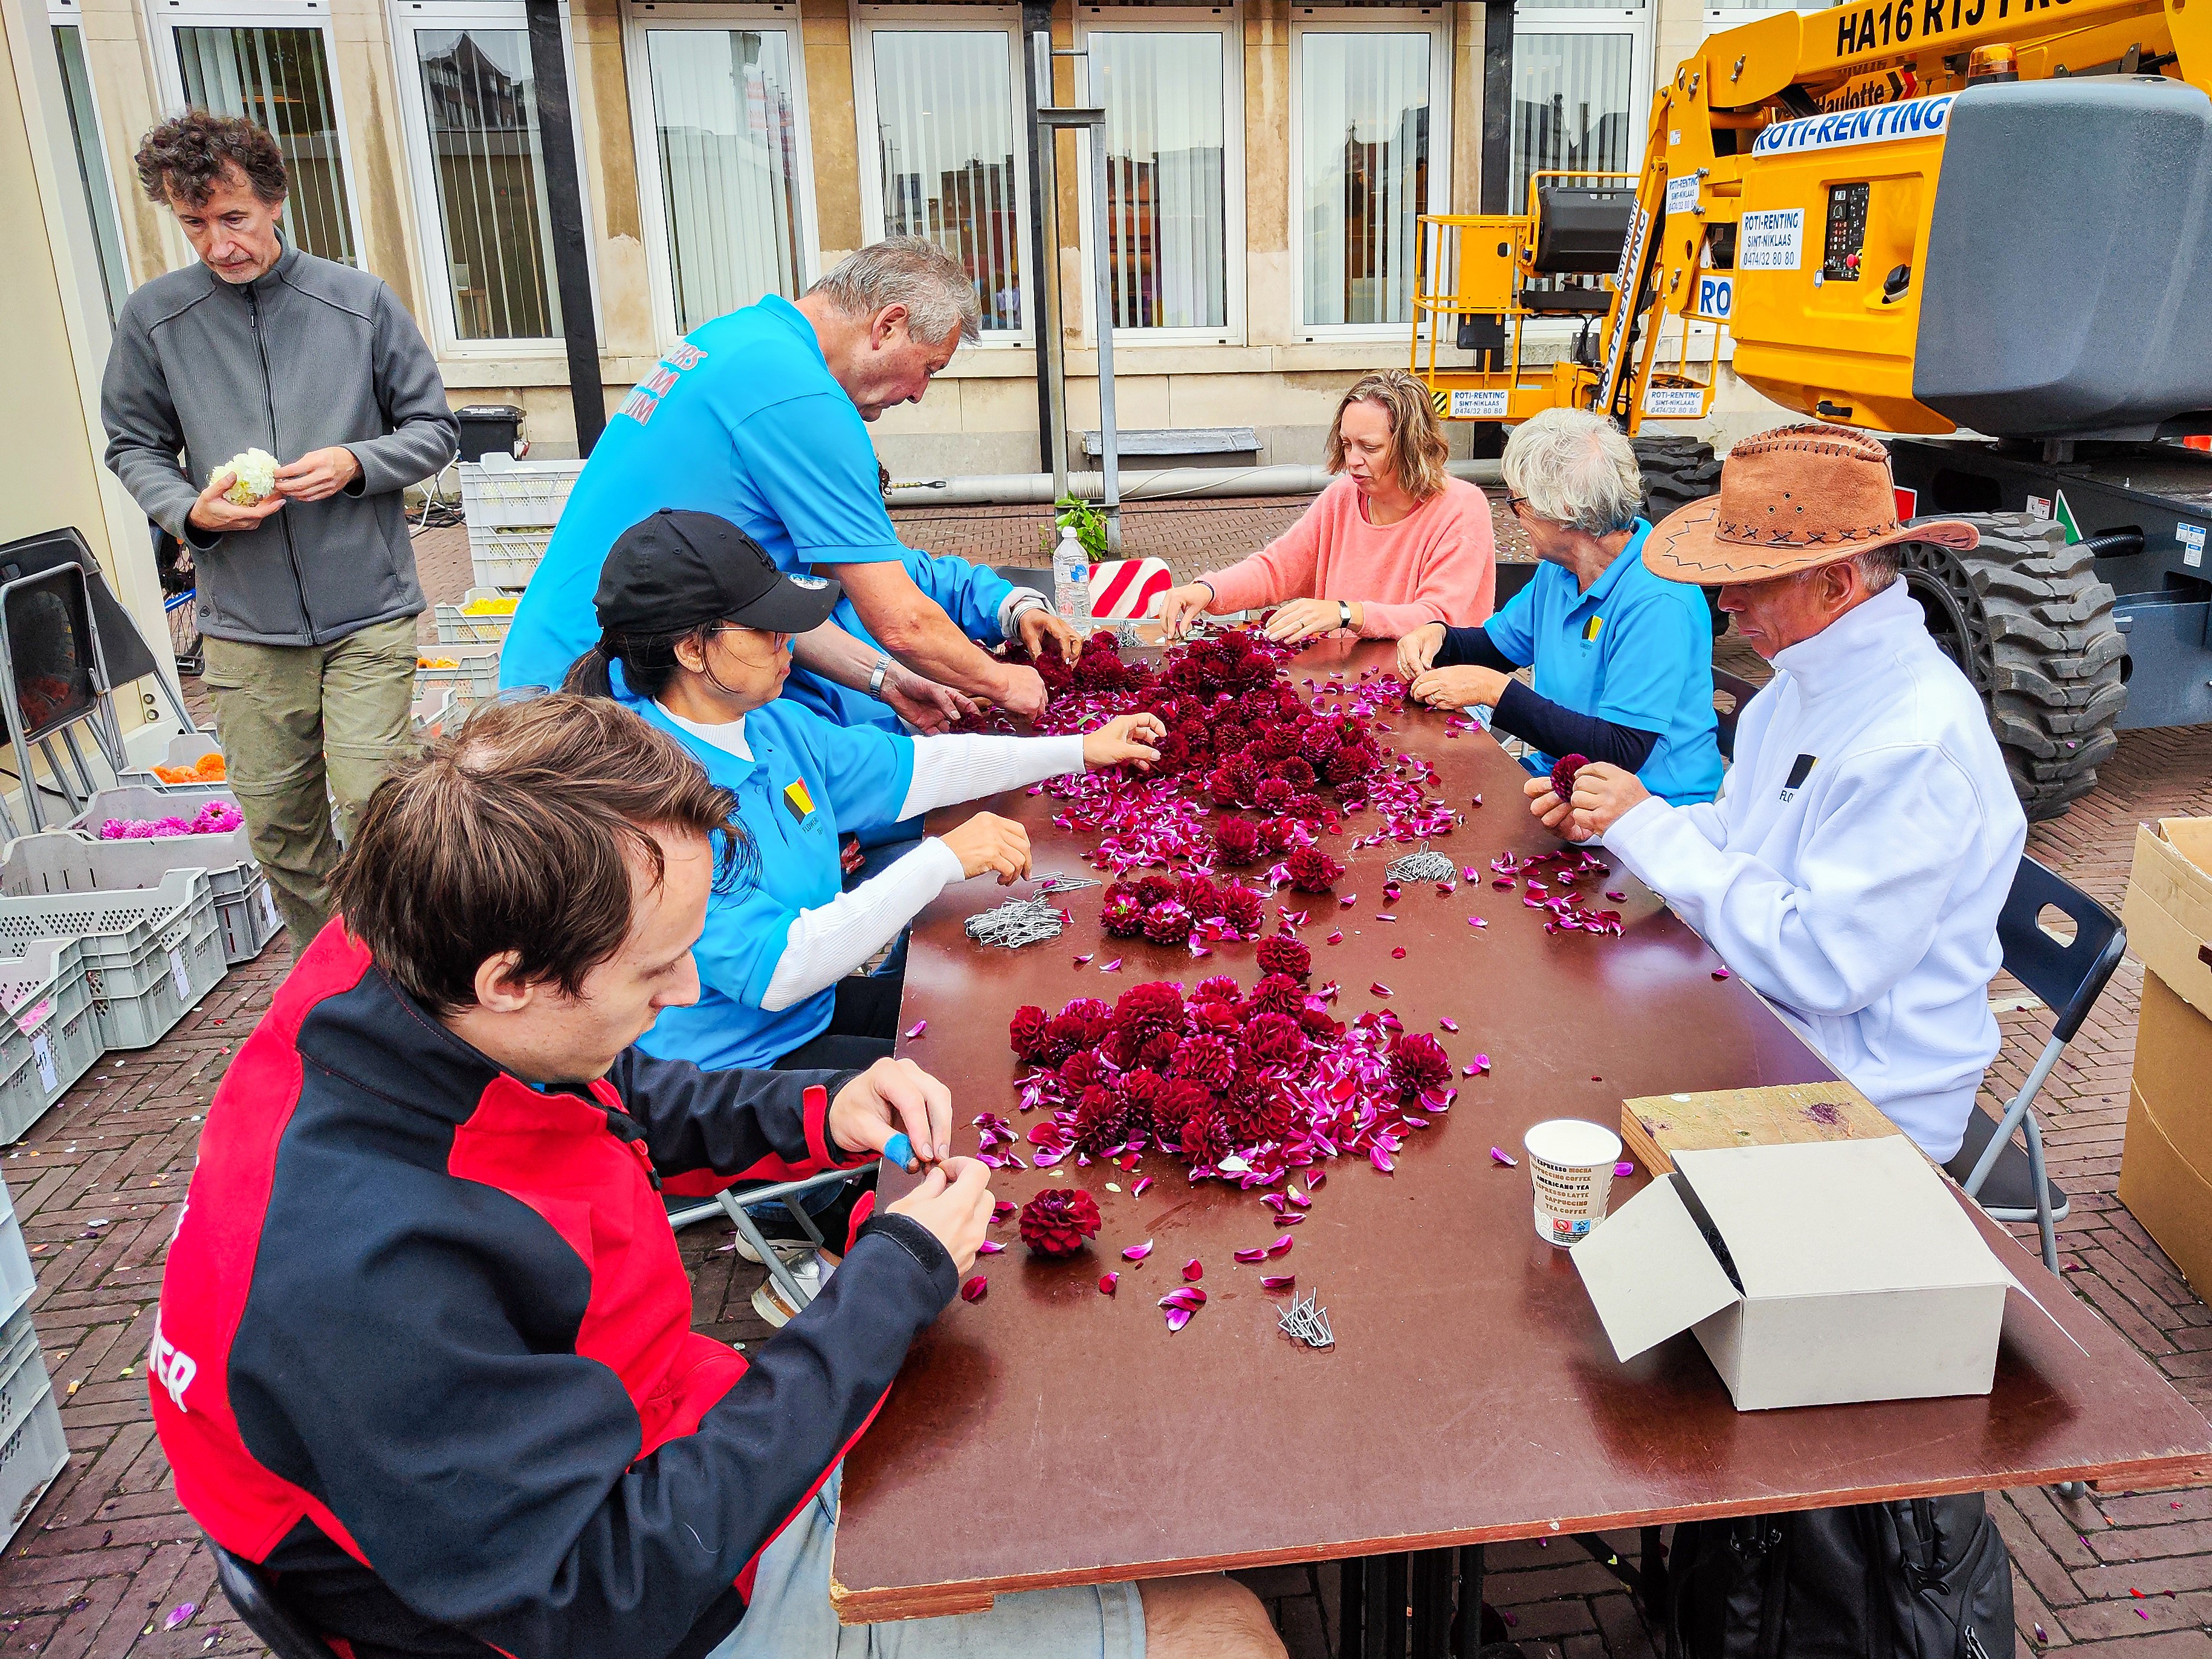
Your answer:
<point x="1043" y="317"/>
<point x="1497" y="107"/>
<point x="564" y="206"/>
<point x="1109" y="442"/>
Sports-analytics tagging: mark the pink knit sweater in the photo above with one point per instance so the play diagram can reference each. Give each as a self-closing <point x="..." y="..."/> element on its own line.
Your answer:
<point x="1439" y="563"/>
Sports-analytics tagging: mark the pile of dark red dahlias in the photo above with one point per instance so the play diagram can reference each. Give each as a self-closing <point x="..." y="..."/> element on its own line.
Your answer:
<point x="1171" y="910"/>
<point x="1241" y="1085"/>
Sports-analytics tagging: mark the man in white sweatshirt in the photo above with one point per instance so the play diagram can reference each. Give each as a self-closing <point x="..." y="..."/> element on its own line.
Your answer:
<point x="1862" y="844"/>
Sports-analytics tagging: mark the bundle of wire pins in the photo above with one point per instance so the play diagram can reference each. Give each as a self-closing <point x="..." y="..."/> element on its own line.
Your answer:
<point x="1030" y="921"/>
<point x="1423" y="866"/>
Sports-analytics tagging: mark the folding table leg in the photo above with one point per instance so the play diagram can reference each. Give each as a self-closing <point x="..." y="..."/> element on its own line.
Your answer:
<point x="1654" y="1574"/>
<point x="1395" y="1591"/>
<point x="1433" y="1575"/>
<point x="1467" y="1622"/>
<point x="1352" y="1607"/>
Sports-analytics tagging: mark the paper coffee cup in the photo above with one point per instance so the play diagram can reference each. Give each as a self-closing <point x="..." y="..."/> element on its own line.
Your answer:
<point x="1571" y="1162"/>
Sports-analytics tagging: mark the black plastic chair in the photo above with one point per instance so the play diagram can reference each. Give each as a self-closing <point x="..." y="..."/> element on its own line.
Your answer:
<point x="258" y="1609"/>
<point x="2068" y="975"/>
<point x="1724" y="723"/>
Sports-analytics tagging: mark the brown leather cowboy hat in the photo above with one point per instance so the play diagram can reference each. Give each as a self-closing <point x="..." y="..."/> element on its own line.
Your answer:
<point x="1791" y="499"/>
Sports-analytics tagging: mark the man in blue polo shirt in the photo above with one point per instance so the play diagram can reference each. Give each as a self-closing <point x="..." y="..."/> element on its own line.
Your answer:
<point x="1623" y="659"/>
<point x="759" y="416"/>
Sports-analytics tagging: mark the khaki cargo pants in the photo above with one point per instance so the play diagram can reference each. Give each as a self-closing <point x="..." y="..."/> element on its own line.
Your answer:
<point x="300" y="726"/>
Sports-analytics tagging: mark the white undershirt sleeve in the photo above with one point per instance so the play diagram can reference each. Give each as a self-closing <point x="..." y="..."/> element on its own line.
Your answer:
<point x="963" y="766"/>
<point x="832" y="940"/>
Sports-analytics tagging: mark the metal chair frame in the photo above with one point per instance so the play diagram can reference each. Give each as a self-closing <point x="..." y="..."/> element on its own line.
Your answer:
<point x="255" y="1600"/>
<point x="734" y="1203"/>
<point x="2068" y="975"/>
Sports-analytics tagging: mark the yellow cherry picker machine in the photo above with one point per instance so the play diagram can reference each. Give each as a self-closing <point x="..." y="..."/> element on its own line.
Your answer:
<point x="1980" y="229"/>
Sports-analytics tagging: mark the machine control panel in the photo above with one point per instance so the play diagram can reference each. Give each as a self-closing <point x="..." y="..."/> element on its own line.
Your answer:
<point x="1847" y="224"/>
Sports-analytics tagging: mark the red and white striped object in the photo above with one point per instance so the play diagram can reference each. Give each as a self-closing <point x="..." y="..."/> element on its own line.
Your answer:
<point x="1122" y="590"/>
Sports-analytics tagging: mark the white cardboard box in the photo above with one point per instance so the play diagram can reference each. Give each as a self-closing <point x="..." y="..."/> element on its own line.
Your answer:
<point x="1861" y="1277"/>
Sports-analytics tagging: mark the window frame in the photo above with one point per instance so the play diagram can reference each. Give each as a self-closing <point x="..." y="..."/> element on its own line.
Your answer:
<point x="901" y="19"/>
<point x="1433" y="20"/>
<point x="67" y="13"/>
<point x="1227" y="22"/>
<point x="165" y="17"/>
<point x="641" y="18"/>
<point x="402" y="19"/>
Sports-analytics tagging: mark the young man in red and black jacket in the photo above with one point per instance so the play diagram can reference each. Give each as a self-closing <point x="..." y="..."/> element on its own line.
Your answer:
<point x="424" y="1349"/>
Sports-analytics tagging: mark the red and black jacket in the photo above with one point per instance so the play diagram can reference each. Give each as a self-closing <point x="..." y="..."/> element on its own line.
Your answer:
<point x="425" y="1349"/>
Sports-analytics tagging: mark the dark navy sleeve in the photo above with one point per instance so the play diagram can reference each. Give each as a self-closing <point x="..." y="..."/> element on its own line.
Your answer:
<point x="1558" y="729"/>
<point x="1474" y="647"/>
<point x="769" y="1126"/>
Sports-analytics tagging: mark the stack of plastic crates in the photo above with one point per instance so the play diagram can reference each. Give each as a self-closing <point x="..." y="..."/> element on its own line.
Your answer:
<point x="511" y="507"/>
<point x="33" y="1450"/>
<point x="50" y="1036"/>
<point x="246" y="909"/>
<point x="465" y="676"/>
<point x="150" y="954"/>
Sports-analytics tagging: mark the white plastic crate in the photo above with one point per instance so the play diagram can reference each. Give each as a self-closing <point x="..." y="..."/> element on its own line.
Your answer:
<point x="473" y="678"/>
<point x="49" y="1039"/>
<point x="17" y="1281"/>
<point x="58" y="862"/>
<point x="150" y="955"/>
<point x="506" y="558"/>
<point x="499" y="493"/>
<point x="30" y="1458"/>
<point x="457" y="627"/>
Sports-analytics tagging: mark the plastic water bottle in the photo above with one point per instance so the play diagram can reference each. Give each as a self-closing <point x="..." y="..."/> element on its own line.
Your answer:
<point x="1070" y="577"/>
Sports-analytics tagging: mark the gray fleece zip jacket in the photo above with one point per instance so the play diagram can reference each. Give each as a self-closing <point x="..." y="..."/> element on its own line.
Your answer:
<point x="309" y="355"/>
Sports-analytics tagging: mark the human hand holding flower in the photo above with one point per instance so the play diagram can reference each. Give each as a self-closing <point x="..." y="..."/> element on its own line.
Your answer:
<point x="954" y="1202"/>
<point x="894" y="1096"/>
<point x="1456" y="688"/>
<point x="1603" y="795"/>
<point x="1126" y="739"/>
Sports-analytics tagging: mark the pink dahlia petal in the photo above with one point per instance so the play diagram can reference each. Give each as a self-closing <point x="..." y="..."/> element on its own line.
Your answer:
<point x="1137" y="1252"/>
<point x="1107" y="1282"/>
<point x="1278" y="1281"/>
<point x="976" y="1289"/>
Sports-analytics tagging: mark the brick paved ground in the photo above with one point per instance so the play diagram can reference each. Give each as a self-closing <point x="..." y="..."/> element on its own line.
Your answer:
<point x="102" y="1563"/>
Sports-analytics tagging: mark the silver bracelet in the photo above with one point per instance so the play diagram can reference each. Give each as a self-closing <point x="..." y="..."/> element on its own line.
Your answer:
<point x="876" y="679"/>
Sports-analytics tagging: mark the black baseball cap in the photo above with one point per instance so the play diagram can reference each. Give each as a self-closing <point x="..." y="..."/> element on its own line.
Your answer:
<point x="680" y="570"/>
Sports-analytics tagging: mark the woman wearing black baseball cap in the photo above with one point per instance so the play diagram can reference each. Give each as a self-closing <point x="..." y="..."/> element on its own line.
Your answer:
<point x="695" y="624"/>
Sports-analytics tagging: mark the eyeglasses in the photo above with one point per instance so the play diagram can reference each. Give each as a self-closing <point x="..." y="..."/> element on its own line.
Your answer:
<point x="1514" y="503"/>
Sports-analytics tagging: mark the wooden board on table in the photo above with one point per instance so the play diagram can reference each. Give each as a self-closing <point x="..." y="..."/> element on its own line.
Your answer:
<point x="1654" y="1126"/>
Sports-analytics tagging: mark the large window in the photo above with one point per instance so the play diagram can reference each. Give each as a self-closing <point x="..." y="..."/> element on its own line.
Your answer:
<point x="279" y="78"/>
<point x="479" y="139"/>
<point x="1369" y="155"/>
<point x="1170" y="112"/>
<point x="721" y="119"/>
<point x="1581" y="69"/>
<point x="92" y="166"/>
<point x="951" y="163"/>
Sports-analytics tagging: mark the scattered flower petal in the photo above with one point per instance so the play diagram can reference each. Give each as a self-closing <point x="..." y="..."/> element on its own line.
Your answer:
<point x="1448" y="1022"/>
<point x="1379" y="988"/>
<point x="1110" y="967"/>
<point x="1282" y="1246"/>
<point x="1137" y="1252"/>
<point x="1278" y="1281"/>
<point x="916" y="1029"/>
<point x="1251" y="1254"/>
<point x="1084" y="961"/>
<point x="1721" y="973"/>
<point x="1107" y="1282"/>
<point x="1625" y="1167"/>
<point x="1178" y="1318"/>
<point x="1336" y="938"/>
<point x="180" y="1614"/>
<point x="989" y="1246"/>
<point x="976" y="1289"/>
<point x="1499" y="1155"/>
<point x="1002" y="1210"/>
<point x="1138" y="1191"/>
<point x="1193" y="1269"/>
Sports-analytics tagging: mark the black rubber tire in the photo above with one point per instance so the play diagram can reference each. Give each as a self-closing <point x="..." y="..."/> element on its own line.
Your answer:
<point x="2027" y="619"/>
<point x="1677" y="472"/>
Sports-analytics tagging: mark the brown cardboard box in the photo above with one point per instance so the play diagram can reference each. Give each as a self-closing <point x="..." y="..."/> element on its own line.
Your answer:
<point x="2166" y="1171"/>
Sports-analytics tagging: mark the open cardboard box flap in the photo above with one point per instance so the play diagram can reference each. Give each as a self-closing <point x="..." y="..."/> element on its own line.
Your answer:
<point x="1849" y="1219"/>
<point x="2168" y="907"/>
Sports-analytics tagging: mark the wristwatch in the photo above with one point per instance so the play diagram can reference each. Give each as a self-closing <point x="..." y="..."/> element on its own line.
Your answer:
<point x="1344" y="615"/>
<point x="876" y="678"/>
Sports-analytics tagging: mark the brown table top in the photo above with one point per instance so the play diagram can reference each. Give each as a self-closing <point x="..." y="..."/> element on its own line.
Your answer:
<point x="1049" y="1435"/>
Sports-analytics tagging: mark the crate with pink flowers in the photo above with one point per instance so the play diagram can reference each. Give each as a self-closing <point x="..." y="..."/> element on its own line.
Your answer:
<point x="143" y="832"/>
<point x="49" y="1035"/>
<point x="150" y="954"/>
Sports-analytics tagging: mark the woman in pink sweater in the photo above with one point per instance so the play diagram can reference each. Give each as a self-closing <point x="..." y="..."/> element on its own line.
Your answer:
<point x="1393" y="543"/>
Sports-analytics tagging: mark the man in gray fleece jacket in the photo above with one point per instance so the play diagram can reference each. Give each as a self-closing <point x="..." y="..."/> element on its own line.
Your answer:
<point x="307" y="595"/>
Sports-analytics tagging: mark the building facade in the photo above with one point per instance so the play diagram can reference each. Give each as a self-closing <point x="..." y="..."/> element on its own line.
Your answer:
<point x="1265" y="164"/>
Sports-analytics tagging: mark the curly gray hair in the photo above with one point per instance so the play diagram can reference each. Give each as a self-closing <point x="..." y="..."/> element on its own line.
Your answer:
<point x="907" y="271"/>
<point x="1574" y="467"/>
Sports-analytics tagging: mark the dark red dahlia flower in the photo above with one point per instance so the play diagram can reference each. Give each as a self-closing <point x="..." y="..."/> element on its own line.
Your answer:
<point x="1153" y="1007"/>
<point x="1311" y="870"/>
<point x="1277" y="834"/>
<point x="1272" y="794"/>
<point x="1295" y="771"/>
<point x="1205" y="1059"/>
<point x="1280" y="953"/>
<point x="1241" y="909"/>
<point x="1027" y="1031"/>
<point x="1081" y="1070"/>
<point x="1563" y="775"/>
<point x="1168" y="923"/>
<point x="1320" y="1024"/>
<point x="1278" y="993"/>
<point x="1275" y="1039"/>
<point x="1236" y="842"/>
<point x="1063" y="1036"/>
<point x="1206" y="1137"/>
<point x="1122" y="915"/>
<point x="1218" y="987"/>
<point x="1154" y="888"/>
<point x="1057" y="1220"/>
<point x="1200" y="897"/>
<point x="1216" y="1019"/>
<point x="1418" y="1063"/>
<point x="1255" y="1111"/>
<point x="1172" y="1107"/>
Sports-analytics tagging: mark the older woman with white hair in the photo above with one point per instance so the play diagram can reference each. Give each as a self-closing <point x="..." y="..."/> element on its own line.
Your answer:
<point x="1623" y="660"/>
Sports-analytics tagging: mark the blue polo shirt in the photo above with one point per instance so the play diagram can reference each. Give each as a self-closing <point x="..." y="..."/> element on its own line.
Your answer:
<point x="741" y="418"/>
<point x="808" y="782"/>
<point x="1637" y="649"/>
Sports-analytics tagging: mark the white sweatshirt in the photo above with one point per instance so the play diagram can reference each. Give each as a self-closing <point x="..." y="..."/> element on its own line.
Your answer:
<point x="1853" y="866"/>
<point x="831" y="940"/>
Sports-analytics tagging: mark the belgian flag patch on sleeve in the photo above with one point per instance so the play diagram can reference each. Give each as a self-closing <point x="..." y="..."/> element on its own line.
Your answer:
<point x="796" y="798"/>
